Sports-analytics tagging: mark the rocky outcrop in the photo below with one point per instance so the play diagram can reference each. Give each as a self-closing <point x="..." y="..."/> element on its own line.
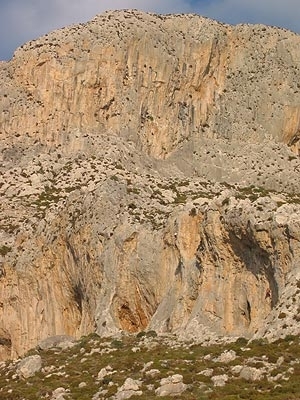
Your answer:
<point x="150" y="180"/>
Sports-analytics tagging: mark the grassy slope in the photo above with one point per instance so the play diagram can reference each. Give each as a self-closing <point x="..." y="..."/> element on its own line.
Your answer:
<point x="76" y="365"/>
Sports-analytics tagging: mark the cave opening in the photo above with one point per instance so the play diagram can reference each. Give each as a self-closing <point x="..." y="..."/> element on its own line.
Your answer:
<point x="256" y="260"/>
<point x="78" y="296"/>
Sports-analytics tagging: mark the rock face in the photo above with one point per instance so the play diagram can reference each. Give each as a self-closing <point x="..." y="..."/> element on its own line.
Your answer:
<point x="150" y="179"/>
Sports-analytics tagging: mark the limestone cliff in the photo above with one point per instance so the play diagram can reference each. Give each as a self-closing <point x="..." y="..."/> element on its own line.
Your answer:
<point x="150" y="179"/>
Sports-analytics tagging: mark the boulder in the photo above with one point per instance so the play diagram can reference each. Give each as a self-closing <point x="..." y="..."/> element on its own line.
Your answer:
<point x="29" y="366"/>
<point x="128" y="389"/>
<point x="171" y="386"/>
<point x="226" y="357"/>
<point x="59" y="341"/>
<point x="251" y="373"/>
<point x="60" y="394"/>
<point x="104" y="372"/>
<point x="219" y="380"/>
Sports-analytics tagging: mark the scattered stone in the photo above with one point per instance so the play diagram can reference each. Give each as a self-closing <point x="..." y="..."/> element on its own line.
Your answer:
<point x="236" y="369"/>
<point x="280" y="361"/>
<point x="153" y="372"/>
<point x="135" y="349"/>
<point x="93" y="351"/>
<point x="48" y="369"/>
<point x="100" y="395"/>
<point x="275" y="378"/>
<point x="206" y="372"/>
<point x="146" y="366"/>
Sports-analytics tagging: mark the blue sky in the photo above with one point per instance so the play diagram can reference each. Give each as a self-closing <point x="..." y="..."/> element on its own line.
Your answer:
<point x="23" y="20"/>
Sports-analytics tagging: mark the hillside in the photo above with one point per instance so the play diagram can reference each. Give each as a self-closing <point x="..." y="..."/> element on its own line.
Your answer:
<point x="150" y="180"/>
<point x="147" y="367"/>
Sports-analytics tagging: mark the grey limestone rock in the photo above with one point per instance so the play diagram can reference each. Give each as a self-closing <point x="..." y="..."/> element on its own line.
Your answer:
<point x="251" y="373"/>
<point x="58" y="341"/>
<point x="171" y="386"/>
<point x="29" y="366"/>
<point x="131" y="387"/>
<point x="226" y="357"/>
<point x="220" y="380"/>
<point x="207" y="372"/>
<point x="60" y="394"/>
<point x="104" y="372"/>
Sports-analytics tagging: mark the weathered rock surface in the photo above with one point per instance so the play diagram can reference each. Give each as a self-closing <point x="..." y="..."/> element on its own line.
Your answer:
<point x="59" y="341"/>
<point x="219" y="380"/>
<point x="29" y="366"/>
<point x="150" y="180"/>
<point x="60" y="394"/>
<point x="226" y="357"/>
<point x="128" y="389"/>
<point x="105" y="371"/>
<point x="251" y="373"/>
<point x="171" y="386"/>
